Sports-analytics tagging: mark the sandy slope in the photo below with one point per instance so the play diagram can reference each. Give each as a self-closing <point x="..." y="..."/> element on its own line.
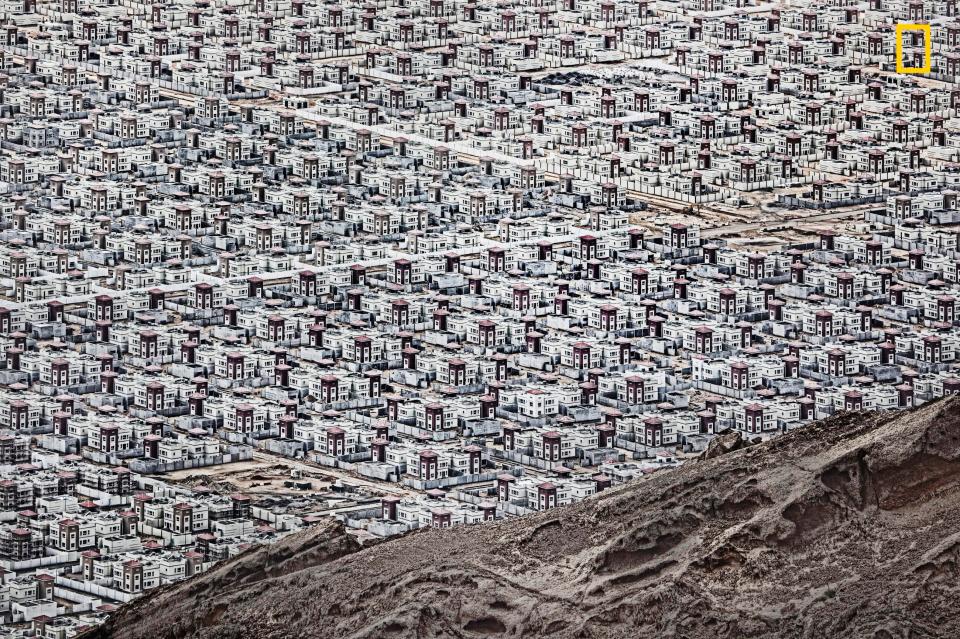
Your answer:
<point x="846" y="528"/>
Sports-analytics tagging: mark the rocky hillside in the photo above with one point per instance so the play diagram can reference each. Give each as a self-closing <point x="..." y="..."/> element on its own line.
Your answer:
<point x="846" y="528"/>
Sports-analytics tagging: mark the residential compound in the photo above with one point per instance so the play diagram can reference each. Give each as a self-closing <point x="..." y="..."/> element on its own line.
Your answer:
<point x="493" y="258"/>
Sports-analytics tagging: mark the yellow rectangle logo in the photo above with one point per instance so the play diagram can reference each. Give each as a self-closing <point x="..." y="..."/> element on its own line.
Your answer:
<point x="927" y="44"/>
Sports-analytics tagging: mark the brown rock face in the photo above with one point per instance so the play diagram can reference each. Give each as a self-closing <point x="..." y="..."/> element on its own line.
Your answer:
<point x="845" y="528"/>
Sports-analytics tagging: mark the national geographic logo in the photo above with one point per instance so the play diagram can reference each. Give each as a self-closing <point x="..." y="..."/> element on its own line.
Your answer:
<point x="924" y="31"/>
